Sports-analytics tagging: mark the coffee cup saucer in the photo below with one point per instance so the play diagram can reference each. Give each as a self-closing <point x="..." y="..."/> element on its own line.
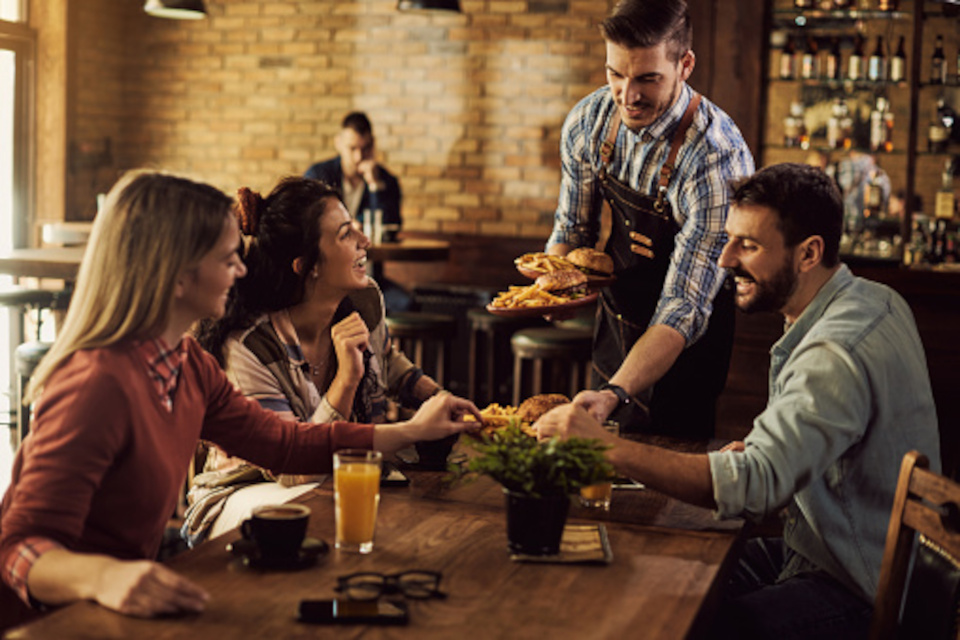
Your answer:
<point x="247" y="552"/>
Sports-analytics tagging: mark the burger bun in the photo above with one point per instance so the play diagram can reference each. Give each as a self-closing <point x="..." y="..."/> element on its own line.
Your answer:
<point x="533" y="407"/>
<point x="591" y="261"/>
<point x="562" y="283"/>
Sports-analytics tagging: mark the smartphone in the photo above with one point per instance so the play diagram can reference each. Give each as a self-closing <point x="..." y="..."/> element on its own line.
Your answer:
<point x="391" y="476"/>
<point x="621" y="482"/>
<point x="352" y="612"/>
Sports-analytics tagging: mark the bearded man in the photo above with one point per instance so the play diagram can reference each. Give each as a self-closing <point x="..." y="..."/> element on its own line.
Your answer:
<point x="849" y="396"/>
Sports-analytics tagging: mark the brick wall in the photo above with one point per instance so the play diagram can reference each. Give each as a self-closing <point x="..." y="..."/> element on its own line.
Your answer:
<point x="466" y="108"/>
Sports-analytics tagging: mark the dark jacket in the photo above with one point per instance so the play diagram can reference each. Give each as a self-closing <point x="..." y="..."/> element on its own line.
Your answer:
<point x="386" y="199"/>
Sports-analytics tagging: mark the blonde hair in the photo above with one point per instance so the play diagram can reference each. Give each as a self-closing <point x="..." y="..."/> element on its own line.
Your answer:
<point x="152" y="227"/>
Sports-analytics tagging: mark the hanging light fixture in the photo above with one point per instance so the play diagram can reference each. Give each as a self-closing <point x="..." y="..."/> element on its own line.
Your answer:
<point x="429" y="5"/>
<point x="177" y="9"/>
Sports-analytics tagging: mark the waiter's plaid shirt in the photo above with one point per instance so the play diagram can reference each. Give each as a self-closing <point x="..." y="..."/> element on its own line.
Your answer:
<point x="713" y="154"/>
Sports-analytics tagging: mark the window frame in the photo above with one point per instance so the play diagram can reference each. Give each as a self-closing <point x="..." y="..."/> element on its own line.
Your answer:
<point x="21" y="39"/>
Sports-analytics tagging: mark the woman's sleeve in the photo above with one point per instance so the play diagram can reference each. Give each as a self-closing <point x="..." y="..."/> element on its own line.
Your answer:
<point x="80" y="429"/>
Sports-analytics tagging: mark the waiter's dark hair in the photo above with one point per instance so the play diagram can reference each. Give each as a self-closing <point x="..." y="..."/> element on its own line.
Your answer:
<point x="644" y="24"/>
<point x="359" y="122"/>
<point x="807" y="202"/>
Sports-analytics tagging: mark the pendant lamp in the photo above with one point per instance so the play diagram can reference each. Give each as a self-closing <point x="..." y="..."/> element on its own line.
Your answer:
<point x="429" y="5"/>
<point x="176" y="9"/>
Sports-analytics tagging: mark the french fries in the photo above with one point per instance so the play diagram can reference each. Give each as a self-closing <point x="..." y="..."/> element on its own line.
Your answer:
<point x="528" y="296"/>
<point x="543" y="262"/>
<point x="496" y="417"/>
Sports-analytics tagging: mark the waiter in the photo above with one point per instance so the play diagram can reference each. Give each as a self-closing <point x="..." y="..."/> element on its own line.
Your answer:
<point x="662" y="156"/>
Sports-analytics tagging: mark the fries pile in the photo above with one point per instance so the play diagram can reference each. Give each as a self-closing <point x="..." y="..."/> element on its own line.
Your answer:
<point x="543" y="262"/>
<point x="529" y="296"/>
<point x="497" y="417"/>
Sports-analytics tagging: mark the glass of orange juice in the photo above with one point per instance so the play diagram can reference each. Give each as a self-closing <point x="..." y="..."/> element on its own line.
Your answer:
<point x="356" y="489"/>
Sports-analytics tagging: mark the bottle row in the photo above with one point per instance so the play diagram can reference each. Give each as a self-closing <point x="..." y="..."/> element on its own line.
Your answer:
<point x="844" y="131"/>
<point x="841" y="127"/>
<point x="814" y="64"/>
<point x="846" y="5"/>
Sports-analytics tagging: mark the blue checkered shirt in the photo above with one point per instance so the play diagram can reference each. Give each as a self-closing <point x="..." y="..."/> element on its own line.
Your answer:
<point x="713" y="154"/>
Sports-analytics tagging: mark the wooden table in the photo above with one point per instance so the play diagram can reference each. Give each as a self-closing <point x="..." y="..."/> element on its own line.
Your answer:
<point x="409" y="250"/>
<point x="668" y="560"/>
<point x="61" y="263"/>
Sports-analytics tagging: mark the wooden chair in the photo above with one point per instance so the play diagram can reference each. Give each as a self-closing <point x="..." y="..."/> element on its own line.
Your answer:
<point x="925" y="528"/>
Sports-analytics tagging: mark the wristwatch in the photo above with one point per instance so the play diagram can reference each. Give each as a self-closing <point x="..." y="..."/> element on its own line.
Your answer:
<point x="618" y="391"/>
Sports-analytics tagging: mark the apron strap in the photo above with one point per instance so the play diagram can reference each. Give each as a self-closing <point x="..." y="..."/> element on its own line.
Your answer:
<point x="667" y="170"/>
<point x="606" y="147"/>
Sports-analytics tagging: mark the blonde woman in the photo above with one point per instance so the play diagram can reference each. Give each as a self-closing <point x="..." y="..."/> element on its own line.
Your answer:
<point x="124" y="396"/>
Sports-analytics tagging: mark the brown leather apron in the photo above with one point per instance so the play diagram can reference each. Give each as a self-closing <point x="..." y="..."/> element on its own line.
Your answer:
<point x="683" y="402"/>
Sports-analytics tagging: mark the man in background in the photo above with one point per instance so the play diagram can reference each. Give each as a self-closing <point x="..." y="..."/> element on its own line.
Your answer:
<point x="366" y="186"/>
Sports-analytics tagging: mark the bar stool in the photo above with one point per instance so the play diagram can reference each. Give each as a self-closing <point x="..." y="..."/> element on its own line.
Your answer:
<point x="557" y="346"/>
<point x="487" y="349"/>
<point x="415" y="329"/>
<point x="27" y="356"/>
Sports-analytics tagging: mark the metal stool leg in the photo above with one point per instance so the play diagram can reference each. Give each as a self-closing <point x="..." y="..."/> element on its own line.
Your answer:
<point x="517" y="370"/>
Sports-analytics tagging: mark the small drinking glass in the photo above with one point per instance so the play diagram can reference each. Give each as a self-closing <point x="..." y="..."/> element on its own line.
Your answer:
<point x="598" y="496"/>
<point x="356" y="487"/>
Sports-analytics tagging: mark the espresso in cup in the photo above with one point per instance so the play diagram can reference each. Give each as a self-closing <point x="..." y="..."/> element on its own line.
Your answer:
<point x="278" y="530"/>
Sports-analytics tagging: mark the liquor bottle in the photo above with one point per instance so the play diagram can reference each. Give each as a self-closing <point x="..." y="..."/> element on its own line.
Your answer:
<point x="808" y="63"/>
<point x="887" y="5"/>
<point x="794" y="130"/>
<point x="872" y="196"/>
<point x="888" y="129"/>
<point x="788" y="58"/>
<point x="898" y="63"/>
<point x="831" y="67"/>
<point x="938" y="64"/>
<point x="877" y="64"/>
<point x="855" y="63"/>
<point x="944" y="203"/>
<point x="877" y="125"/>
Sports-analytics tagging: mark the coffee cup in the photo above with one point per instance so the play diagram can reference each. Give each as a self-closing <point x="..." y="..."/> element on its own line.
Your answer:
<point x="277" y="530"/>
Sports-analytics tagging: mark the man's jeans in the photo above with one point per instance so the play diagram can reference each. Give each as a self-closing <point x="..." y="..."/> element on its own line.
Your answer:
<point x="809" y="605"/>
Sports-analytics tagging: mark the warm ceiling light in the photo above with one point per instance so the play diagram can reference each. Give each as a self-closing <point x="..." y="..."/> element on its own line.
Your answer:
<point x="429" y="5"/>
<point x="177" y="9"/>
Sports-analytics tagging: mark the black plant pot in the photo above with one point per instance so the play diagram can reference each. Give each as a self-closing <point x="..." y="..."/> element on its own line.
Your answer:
<point x="535" y="525"/>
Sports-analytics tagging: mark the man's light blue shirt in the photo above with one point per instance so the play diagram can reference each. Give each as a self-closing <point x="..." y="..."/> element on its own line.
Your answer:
<point x="849" y="396"/>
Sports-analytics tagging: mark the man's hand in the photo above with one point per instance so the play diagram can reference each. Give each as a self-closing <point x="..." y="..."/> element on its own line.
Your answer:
<point x="599" y="404"/>
<point x="146" y="589"/>
<point x="370" y="170"/>
<point x="569" y="421"/>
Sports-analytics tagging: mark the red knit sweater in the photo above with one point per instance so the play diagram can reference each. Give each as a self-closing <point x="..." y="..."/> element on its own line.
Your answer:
<point x="104" y="464"/>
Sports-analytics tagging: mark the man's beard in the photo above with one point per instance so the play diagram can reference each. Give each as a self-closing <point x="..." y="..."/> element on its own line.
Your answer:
<point x="768" y="295"/>
<point x="654" y="109"/>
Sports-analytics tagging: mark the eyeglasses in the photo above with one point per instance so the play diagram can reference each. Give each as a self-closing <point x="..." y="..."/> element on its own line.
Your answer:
<point x="417" y="585"/>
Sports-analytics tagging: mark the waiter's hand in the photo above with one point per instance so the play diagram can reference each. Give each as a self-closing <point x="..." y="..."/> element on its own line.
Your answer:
<point x="571" y="421"/>
<point x="599" y="404"/>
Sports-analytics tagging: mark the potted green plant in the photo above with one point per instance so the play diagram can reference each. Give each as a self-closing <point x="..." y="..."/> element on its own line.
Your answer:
<point x="538" y="478"/>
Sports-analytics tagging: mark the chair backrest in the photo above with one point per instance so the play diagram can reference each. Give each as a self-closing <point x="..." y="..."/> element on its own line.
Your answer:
<point x="925" y="528"/>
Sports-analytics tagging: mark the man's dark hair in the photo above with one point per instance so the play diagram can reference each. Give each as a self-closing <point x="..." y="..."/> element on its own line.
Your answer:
<point x="358" y="121"/>
<point x="807" y="202"/>
<point x="642" y="24"/>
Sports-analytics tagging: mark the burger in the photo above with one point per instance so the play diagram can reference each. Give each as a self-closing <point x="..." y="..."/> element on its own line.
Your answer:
<point x="566" y="284"/>
<point x="591" y="262"/>
<point x="533" y="407"/>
